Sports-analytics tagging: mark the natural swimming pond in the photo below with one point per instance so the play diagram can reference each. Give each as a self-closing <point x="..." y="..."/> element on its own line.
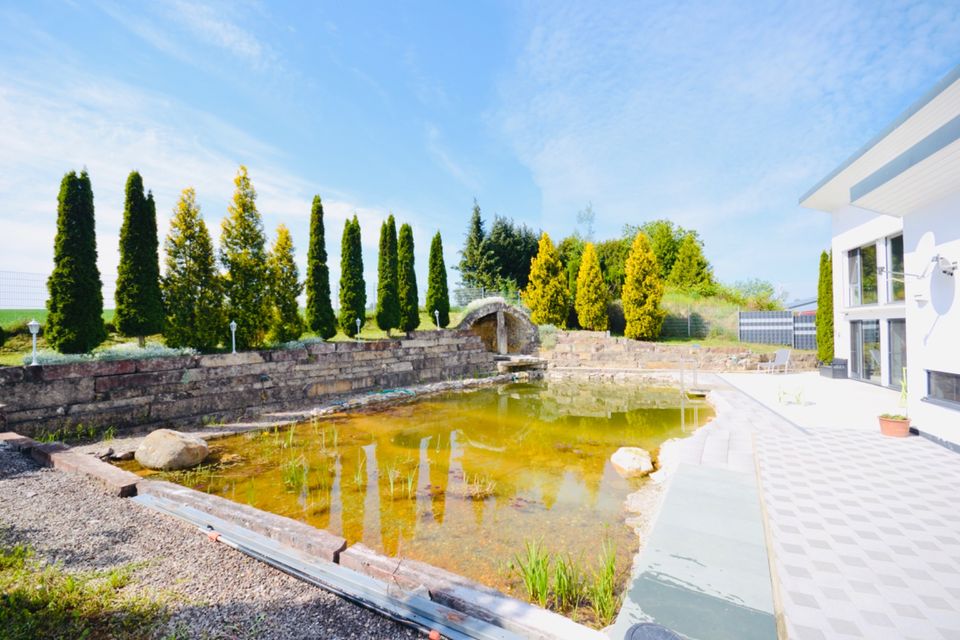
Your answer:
<point x="462" y="480"/>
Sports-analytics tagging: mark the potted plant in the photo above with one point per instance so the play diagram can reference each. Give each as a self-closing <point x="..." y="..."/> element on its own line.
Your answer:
<point x="897" y="425"/>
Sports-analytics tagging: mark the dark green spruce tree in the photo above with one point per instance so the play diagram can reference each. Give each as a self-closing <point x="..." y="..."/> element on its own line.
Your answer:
<point x="477" y="263"/>
<point x="825" y="309"/>
<point x="75" y="318"/>
<point x="388" y="298"/>
<point x="438" y="297"/>
<point x="407" y="281"/>
<point x="320" y="318"/>
<point x="139" y="303"/>
<point x="353" y="291"/>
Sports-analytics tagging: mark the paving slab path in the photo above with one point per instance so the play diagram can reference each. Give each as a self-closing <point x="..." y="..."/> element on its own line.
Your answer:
<point x="862" y="530"/>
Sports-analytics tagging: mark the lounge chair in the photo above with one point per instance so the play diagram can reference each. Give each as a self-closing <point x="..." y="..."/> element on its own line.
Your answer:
<point x="781" y="359"/>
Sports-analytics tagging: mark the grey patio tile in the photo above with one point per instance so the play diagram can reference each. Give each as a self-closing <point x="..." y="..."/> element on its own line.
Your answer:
<point x="936" y="602"/>
<point x="804" y="599"/>
<point x="877" y="618"/>
<point x="863" y="587"/>
<point x="907" y="610"/>
<point x="845" y="627"/>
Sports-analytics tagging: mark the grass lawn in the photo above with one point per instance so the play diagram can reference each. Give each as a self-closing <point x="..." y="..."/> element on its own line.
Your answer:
<point x="18" y="346"/>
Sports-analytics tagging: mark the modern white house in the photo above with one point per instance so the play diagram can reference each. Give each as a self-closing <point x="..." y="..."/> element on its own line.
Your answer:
<point x="896" y="244"/>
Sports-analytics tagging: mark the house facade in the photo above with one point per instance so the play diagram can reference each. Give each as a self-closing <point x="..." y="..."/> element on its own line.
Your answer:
<point x="895" y="206"/>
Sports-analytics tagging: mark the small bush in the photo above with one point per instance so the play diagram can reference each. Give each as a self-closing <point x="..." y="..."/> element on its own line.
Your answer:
<point x="126" y="351"/>
<point x="618" y="323"/>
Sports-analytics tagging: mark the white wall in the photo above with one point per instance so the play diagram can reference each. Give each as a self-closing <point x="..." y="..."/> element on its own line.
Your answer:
<point x="854" y="227"/>
<point x="933" y="311"/>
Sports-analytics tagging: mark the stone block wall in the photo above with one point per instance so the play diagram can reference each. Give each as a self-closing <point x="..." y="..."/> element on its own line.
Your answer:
<point x="595" y="350"/>
<point x="189" y="389"/>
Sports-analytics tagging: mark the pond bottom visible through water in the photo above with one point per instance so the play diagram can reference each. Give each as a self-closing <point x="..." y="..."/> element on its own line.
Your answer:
<point x="462" y="480"/>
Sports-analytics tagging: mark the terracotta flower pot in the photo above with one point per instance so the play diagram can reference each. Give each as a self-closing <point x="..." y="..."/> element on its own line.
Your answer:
<point x="895" y="427"/>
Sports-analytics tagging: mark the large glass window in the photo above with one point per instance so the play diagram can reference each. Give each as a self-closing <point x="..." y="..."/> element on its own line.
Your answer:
<point x="895" y="271"/>
<point x="865" y="350"/>
<point x="862" y="270"/>
<point x="898" y="351"/>
<point x="943" y="386"/>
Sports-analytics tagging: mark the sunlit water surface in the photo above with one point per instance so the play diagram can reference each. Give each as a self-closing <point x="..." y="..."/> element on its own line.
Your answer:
<point x="461" y="480"/>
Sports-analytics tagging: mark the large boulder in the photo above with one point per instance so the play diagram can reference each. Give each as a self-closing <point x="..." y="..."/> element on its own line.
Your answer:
<point x="167" y="450"/>
<point x="632" y="462"/>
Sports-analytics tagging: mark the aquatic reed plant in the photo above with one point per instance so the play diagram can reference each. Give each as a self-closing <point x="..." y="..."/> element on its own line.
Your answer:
<point x="290" y="433"/>
<point x="568" y="583"/>
<point x="358" y="478"/>
<point x="392" y="475"/>
<point x="603" y="600"/>
<point x="534" y="569"/>
<point x="295" y="474"/>
<point x="411" y="483"/>
<point x="480" y="488"/>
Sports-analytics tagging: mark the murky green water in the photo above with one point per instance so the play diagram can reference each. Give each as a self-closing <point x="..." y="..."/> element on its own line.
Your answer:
<point x="461" y="480"/>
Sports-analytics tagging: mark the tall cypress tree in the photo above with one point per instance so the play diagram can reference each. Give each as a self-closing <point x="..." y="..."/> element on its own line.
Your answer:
<point x="407" y="281"/>
<point x="825" y="309"/>
<point x="285" y="286"/>
<point x="547" y="294"/>
<point x="388" y="299"/>
<point x="642" y="291"/>
<point x="320" y="316"/>
<point x="243" y="253"/>
<point x="353" y="292"/>
<point x="75" y="318"/>
<point x="592" y="294"/>
<point x="192" y="288"/>
<point x="438" y="296"/>
<point x="139" y="304"/>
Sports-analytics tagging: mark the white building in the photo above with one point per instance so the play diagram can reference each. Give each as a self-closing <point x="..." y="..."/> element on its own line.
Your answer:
<point x="896" y="242"/>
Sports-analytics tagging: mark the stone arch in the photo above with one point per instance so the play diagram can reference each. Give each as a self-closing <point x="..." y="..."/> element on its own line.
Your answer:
<point x="503" y="328"/>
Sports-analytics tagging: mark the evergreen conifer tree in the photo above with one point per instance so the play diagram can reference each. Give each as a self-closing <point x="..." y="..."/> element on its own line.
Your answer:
<point x="592" y="295"/>
<point x="691" y="271"/>
<point x="243" y="253"/>
<point x="438" y="296"/>
<point x="353" y="292"/>
<point x="285" y="286"/>
<point x="825" y="309"/>
<point x="139" y="305"/>
<point x="407" y="281"/>
<point x="320" y="317"/>
<point x="75" y="319"/>
<point x="546" y="294"/>
<point x="477" y="263"/>
<point x="191" y="287"/>
<point x="642" y="292"/>
<point x="388" y="299"/>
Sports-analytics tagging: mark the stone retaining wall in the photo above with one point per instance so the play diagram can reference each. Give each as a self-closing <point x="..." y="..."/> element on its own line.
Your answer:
<point x="191" y="389"/>
<point x="595" y="350"/>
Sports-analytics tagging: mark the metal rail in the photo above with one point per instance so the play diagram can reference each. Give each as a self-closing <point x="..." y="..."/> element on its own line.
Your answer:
<point x="408" y="609"/>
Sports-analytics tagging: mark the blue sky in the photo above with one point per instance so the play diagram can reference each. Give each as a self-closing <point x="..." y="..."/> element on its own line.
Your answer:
<point x="716" y="115"/>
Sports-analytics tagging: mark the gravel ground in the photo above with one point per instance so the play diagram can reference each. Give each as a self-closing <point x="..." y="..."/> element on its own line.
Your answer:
<point x="213" y="591"/>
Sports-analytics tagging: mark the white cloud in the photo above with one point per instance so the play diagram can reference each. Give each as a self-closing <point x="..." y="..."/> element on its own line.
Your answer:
<point x="719" y="116"/>
<point x="458" y="171"/>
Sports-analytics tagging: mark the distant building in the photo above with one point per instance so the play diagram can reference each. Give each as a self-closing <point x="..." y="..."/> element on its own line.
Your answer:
<point x="896" y="242"/>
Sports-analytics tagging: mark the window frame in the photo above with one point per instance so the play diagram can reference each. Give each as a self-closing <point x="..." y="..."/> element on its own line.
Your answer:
<point x="950" y="403"/>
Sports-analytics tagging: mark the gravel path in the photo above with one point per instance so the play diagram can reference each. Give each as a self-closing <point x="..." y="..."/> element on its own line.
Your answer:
<point x="214" y="592"/>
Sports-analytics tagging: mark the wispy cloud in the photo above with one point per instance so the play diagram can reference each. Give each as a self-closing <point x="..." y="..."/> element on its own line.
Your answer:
<point x="181" y="29"/>
<point x="438" y="151"/>
<point x="710" y="113"/>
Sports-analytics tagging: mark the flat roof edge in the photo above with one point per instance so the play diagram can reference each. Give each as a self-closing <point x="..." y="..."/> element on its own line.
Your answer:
<point x="952" y="76"/>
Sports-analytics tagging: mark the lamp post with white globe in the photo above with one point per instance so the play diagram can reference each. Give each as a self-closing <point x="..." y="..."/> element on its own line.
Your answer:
<point x="233" y="336"/>
<point x="34" y="328"/>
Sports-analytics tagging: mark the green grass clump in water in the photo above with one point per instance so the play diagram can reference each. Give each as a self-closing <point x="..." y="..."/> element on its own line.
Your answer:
<point x="534" y="568"/>
<point x="38" y="601"/>
<point x="295" y="473"/>
<point x="603" y="599"/>
<point x="568" y="583"/>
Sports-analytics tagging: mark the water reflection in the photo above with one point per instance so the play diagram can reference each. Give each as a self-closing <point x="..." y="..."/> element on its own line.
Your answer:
<point x="464" y="480"/>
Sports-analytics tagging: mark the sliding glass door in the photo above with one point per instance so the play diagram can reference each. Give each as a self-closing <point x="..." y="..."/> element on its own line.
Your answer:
<point x="865" y="350"/>
<point x="898" y="351"/>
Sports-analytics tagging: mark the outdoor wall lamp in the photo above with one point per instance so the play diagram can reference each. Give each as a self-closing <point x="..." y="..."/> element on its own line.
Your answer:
<point x="233" y="336"/>
<point x="34" y="327"/>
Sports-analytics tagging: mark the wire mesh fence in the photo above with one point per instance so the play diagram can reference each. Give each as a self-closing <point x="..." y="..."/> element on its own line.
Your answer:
<point x="22" y="290"/>
<point x="463" y="296"/>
